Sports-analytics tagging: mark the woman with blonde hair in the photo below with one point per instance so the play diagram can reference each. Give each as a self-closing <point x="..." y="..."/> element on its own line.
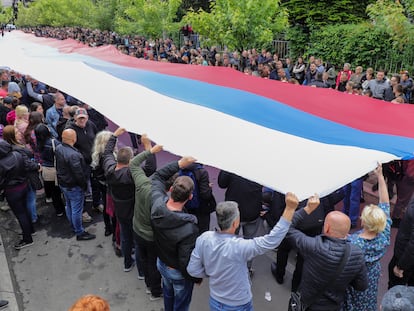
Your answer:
<point x="98" y="177"/>
<point x="373" y="239"/>
<point x="21" y="123"/>
<point x="90" y="303"/>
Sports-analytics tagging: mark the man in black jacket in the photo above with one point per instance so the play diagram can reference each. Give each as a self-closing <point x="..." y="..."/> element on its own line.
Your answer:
<point x="248" y="195"/>
<point x="175" y="233"/>
<point x="122" y="189"/>
<point x="401" y="266"/>
<point x="70" y="169"/>
<point x="322" y="256"/>
<point x="85" y="132"/>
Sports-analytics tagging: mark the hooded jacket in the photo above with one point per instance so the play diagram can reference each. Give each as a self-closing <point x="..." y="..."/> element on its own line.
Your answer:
<point x="12" y="168"/>
<point x="175" y="233"/>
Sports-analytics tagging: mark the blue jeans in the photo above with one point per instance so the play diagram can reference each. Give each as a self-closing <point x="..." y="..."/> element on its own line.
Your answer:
<point x="352" y="200"/>
<point x="74" y="207"/>
<point x="31" y="203"/>
<point x="176" y="289"/>
<point x="218" y="306"/>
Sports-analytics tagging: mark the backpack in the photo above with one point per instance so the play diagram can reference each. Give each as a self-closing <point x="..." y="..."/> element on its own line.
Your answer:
<point x="194" y="203"/>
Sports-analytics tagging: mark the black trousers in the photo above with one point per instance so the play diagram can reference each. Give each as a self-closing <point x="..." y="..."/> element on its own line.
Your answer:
<point x="407" y="279"/>
<point x="148" y="257"/>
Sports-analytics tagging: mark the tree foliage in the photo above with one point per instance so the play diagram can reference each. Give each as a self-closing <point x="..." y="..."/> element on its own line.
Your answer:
<point x="312" y="14"/>
<point x="393" y="18"/>
<point x="154" y="18"/>
<point x="57" y="13"/>
<point x="239" y="24"/>
<point x="6" y="15"/>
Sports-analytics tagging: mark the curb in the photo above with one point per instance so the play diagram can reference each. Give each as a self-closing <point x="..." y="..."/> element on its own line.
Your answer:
<point x="6" y="283"/>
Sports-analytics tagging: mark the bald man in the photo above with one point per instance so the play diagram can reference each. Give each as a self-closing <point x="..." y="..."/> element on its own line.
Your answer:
<point x="322" y="256"/>
<point x="70" y="169"/>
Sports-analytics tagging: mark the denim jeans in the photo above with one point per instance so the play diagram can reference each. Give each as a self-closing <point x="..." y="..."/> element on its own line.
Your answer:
<point x="74" y="207"/>
<point x="249" y="230"/>
<point x="352" y="200"/>
<point x="218" y="306"/>
<point x="176" y="289"/>
<point x="16" y="198"/>
<point x="31" y="203"/>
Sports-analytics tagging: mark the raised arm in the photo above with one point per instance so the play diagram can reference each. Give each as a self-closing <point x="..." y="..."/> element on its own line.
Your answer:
<point x="382" y="185"/>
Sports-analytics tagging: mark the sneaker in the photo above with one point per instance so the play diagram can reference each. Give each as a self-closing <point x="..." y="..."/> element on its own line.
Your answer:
<point x="127" y="269"/>
<point x="33" y="233"/>
<point x="22" y="244"/>
<point x="3" y="304"/>
<point x="59" y="214"/>
<point x="49" y="200"/>
<point x="155" y="298"/>
<point x="141" y="277"/>
<point x="99" y="208"/>
<point x="5" y="208"/>
<point x="148" y="291"/>
<point x="86" y="217"/>
<point x="84" y="236"/>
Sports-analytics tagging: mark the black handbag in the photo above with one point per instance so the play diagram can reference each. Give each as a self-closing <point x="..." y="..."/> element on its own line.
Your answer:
<point x="295" y="301"/>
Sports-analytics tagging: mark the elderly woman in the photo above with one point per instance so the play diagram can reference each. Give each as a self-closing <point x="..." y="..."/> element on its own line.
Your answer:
<point x="98" y="177"/>
<point x="373" y="239"/>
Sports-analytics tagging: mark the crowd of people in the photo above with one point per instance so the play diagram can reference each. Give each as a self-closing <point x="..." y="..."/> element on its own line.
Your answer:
<point x="54" y="141"/>
<point x="314" y="72"/>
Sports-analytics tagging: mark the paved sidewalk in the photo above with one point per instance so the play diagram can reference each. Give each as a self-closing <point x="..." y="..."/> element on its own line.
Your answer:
<point x="6" y="283"/>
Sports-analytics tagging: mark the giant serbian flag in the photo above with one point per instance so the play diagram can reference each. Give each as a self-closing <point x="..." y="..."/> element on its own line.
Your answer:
<point x="287" y="137"/>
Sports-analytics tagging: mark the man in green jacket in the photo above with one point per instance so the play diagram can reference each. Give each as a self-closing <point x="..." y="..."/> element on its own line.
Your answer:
<point x="143" y="234"/>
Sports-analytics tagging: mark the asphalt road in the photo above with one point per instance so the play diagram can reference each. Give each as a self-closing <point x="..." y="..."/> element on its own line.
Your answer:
<point x="57" y="269"/>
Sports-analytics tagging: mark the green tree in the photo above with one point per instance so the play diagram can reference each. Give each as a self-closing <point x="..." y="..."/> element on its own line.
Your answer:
<point x="6" y="15"/>
<point x="57" y="13"/>
<point x="393" y="18"/>
<point x="239" y="24"/>
<point x="104" y="13"/>
<point x="154" y="18"/>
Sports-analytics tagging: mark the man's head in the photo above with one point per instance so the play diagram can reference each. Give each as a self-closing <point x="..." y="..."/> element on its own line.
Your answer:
<point x="81" y="117"/>
<point x="228" y="216"/>
<point x="337" y="225"/>
<point x="60" y="100"/>
<point x="395" y="79"/>
<point x="405" y="76"/>
<point x="398" y="298"/>
<point x="182" y="189"/>
<point x="380" y="75"/>
<point x="69" y="137"/>
<point x="124" y="155"/>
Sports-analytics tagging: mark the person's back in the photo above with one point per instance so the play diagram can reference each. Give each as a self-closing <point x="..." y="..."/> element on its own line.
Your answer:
<point x="246" y="193"/>
<point x="322" y="256"/>
<point x="401" y="266"/>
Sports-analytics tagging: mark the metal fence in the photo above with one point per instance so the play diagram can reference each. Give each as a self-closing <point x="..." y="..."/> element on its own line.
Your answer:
<point x="281" y="47"/>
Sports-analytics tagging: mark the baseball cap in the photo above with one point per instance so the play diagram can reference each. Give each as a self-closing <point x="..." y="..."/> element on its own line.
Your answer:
<point x="8" y="100"/>
<point x="81" y="113"/>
